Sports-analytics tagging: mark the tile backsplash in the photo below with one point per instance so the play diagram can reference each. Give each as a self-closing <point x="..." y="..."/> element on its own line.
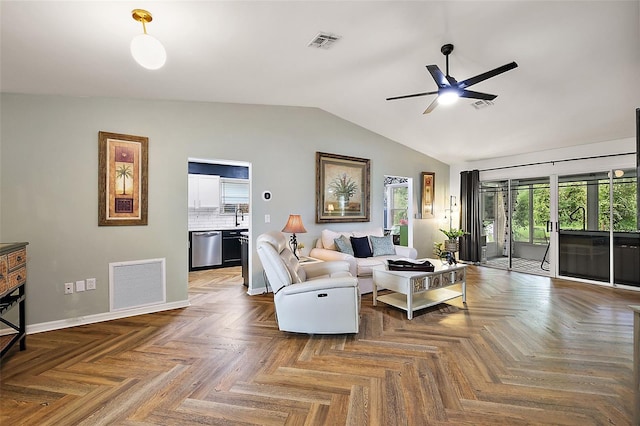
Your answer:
<point x="205" y="219"/>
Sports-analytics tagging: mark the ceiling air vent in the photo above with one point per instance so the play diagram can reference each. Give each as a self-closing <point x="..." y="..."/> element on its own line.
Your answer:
<point x="323" y="40"/>
<point x="481" y="104"/>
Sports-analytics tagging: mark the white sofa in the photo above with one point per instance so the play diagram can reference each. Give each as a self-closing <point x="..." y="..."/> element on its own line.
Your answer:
<point x="319" y="298"/>
<point x="326" y="250"/>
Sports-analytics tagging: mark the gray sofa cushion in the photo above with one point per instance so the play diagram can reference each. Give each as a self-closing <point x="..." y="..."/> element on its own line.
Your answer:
<point x="382" y="246"/>
<point x="343" y="245"/>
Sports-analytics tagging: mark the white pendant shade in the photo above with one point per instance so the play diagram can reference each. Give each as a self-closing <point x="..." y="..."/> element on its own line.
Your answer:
<point x="148" y="51"/>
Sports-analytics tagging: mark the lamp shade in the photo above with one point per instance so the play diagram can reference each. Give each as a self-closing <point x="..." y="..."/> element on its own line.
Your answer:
<point x="148" y="51"/>
<point x="294" y="225"/>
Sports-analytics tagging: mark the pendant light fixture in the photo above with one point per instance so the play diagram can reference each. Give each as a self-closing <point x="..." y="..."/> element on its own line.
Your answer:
<point x="145" y="49"/>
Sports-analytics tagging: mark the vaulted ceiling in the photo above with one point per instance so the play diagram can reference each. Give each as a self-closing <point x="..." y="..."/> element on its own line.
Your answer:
<point x="577" y="81"/>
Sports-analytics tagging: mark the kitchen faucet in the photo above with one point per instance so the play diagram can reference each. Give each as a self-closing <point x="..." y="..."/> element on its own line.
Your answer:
<point x="238" y="209"/>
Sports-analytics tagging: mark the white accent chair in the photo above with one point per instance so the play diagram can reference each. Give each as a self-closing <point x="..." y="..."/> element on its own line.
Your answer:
<point x="319" y="298"/>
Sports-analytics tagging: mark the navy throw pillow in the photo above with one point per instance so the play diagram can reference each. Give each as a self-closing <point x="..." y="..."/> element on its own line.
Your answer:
<point x="361" y="247"/>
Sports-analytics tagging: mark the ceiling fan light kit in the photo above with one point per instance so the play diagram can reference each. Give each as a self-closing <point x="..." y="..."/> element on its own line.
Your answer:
<point x="449" y="89"/>
<point x="448" y="97"/>
<point x="145" y="49"/>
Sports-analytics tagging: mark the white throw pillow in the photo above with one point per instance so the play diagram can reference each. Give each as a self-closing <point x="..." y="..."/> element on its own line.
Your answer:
<point x="327" y="237"/>
<point x="376" y="232"/>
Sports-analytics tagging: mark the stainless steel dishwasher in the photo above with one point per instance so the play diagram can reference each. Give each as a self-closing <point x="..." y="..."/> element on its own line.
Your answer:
<point x="206" y="249"/>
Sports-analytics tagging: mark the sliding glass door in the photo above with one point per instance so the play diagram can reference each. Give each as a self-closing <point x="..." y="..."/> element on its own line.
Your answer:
<point x="598" y="236"/>
<point x="626" y="237"/>
<point x="494" y="205"/>
<point x="530" y="237"/>
<point x="581" y="226"/>
<point x="515" y="214"/>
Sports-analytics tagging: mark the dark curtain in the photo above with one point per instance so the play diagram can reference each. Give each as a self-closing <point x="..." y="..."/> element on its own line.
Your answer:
<point x="470" y="221"/>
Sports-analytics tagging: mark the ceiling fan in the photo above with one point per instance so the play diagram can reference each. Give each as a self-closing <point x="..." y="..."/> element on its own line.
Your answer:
<point x="449" y="89"/>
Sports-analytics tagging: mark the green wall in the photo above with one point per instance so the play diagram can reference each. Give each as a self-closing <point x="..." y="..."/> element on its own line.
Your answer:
<point x="49" y="180"/>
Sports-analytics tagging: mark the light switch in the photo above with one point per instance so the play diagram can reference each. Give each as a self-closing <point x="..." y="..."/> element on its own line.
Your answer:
<point x="267" y="218"/>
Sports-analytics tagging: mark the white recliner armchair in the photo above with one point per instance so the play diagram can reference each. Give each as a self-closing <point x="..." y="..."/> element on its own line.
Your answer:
<point x="319" y="298"/>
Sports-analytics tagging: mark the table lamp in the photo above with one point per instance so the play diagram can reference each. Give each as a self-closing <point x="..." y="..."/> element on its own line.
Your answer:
<point x="294" y="224"/>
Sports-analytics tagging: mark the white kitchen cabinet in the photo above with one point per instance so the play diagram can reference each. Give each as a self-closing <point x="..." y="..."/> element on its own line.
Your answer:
<point x="204" y="191"/>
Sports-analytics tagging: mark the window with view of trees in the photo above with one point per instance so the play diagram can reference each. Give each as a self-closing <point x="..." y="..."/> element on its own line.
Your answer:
<point x="399" y="203"/>
<point x="584" y="203"/>
<point x="531" y="213"/>
<point x="624" y="204"/>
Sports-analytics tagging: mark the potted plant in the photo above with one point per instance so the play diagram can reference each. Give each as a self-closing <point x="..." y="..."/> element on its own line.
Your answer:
<point x="440" y="252"/>
<point x="452" y="238"/>
<point x="343" y="188"/>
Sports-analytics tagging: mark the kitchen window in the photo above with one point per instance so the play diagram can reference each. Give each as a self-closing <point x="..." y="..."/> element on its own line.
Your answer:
<point x="234" y="195"/>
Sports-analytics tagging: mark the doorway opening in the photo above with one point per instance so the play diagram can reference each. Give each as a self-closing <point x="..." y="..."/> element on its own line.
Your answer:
<point x="219" y="217"/>
<point x="514" y="215"/>
<point x="398" y="209"/>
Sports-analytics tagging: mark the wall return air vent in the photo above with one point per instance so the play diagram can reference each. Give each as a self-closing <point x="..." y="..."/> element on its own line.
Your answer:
<point x="323" y="40"/>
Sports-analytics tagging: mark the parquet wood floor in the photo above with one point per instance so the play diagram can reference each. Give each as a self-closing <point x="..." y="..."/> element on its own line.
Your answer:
<point x="525" y="350"/>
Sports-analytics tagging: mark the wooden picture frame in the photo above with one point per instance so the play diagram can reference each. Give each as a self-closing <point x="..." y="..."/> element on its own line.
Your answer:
<point x="428" y="194"/>
<point x="342" y="188"/>
<point x="122" y="179"/>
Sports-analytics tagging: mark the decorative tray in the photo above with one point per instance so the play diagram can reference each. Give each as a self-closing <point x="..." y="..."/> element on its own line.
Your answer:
<point x="410" y="266"/>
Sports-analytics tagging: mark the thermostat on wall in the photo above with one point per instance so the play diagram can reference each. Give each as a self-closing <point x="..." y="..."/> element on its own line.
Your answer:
<point x="266" y="195"/>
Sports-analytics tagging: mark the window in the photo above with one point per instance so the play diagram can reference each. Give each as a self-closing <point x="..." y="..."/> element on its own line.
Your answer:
<point x="234" y="194"/>
<point x="531" y="211"/>
<point x="396" y="206"/>
<point x="624" y="202"/>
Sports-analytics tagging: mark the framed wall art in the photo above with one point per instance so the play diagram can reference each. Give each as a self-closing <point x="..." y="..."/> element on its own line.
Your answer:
<point x="122" y="179"/>
<point x="342" y="188"/>
<point x="428" y="197"/>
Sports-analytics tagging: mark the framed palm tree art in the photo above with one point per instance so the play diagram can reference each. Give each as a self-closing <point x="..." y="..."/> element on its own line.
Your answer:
<point x="122" y="179"/>
<point x="342" y="188"/>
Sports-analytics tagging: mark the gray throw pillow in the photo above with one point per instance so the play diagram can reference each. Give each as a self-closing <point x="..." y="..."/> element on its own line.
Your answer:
<point x="382" y="246"/>
<point x="344" y="245"/>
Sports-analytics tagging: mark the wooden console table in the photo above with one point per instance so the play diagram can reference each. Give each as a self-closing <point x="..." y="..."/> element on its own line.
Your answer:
<point x="636" y="363"/>
<point x="13" y="278"/>
<point x="417" y="290"/>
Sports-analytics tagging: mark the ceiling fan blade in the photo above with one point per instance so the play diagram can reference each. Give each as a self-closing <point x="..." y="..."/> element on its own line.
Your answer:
<point x="438" y="76"/>
<point x="476" y="95"/>
<point x="431" y="106"/>
<point x="482" y="77"/>
<point x="412" y="96"/>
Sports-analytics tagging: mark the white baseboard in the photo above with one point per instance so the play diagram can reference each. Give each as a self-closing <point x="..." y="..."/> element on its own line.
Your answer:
<point x="106" y="316"/>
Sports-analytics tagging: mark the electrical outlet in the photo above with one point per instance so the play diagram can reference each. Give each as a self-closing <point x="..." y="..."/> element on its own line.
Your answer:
<point x="68" y="288"/>
<point x="80" y="285"/>
<point x="91" y="283"/>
